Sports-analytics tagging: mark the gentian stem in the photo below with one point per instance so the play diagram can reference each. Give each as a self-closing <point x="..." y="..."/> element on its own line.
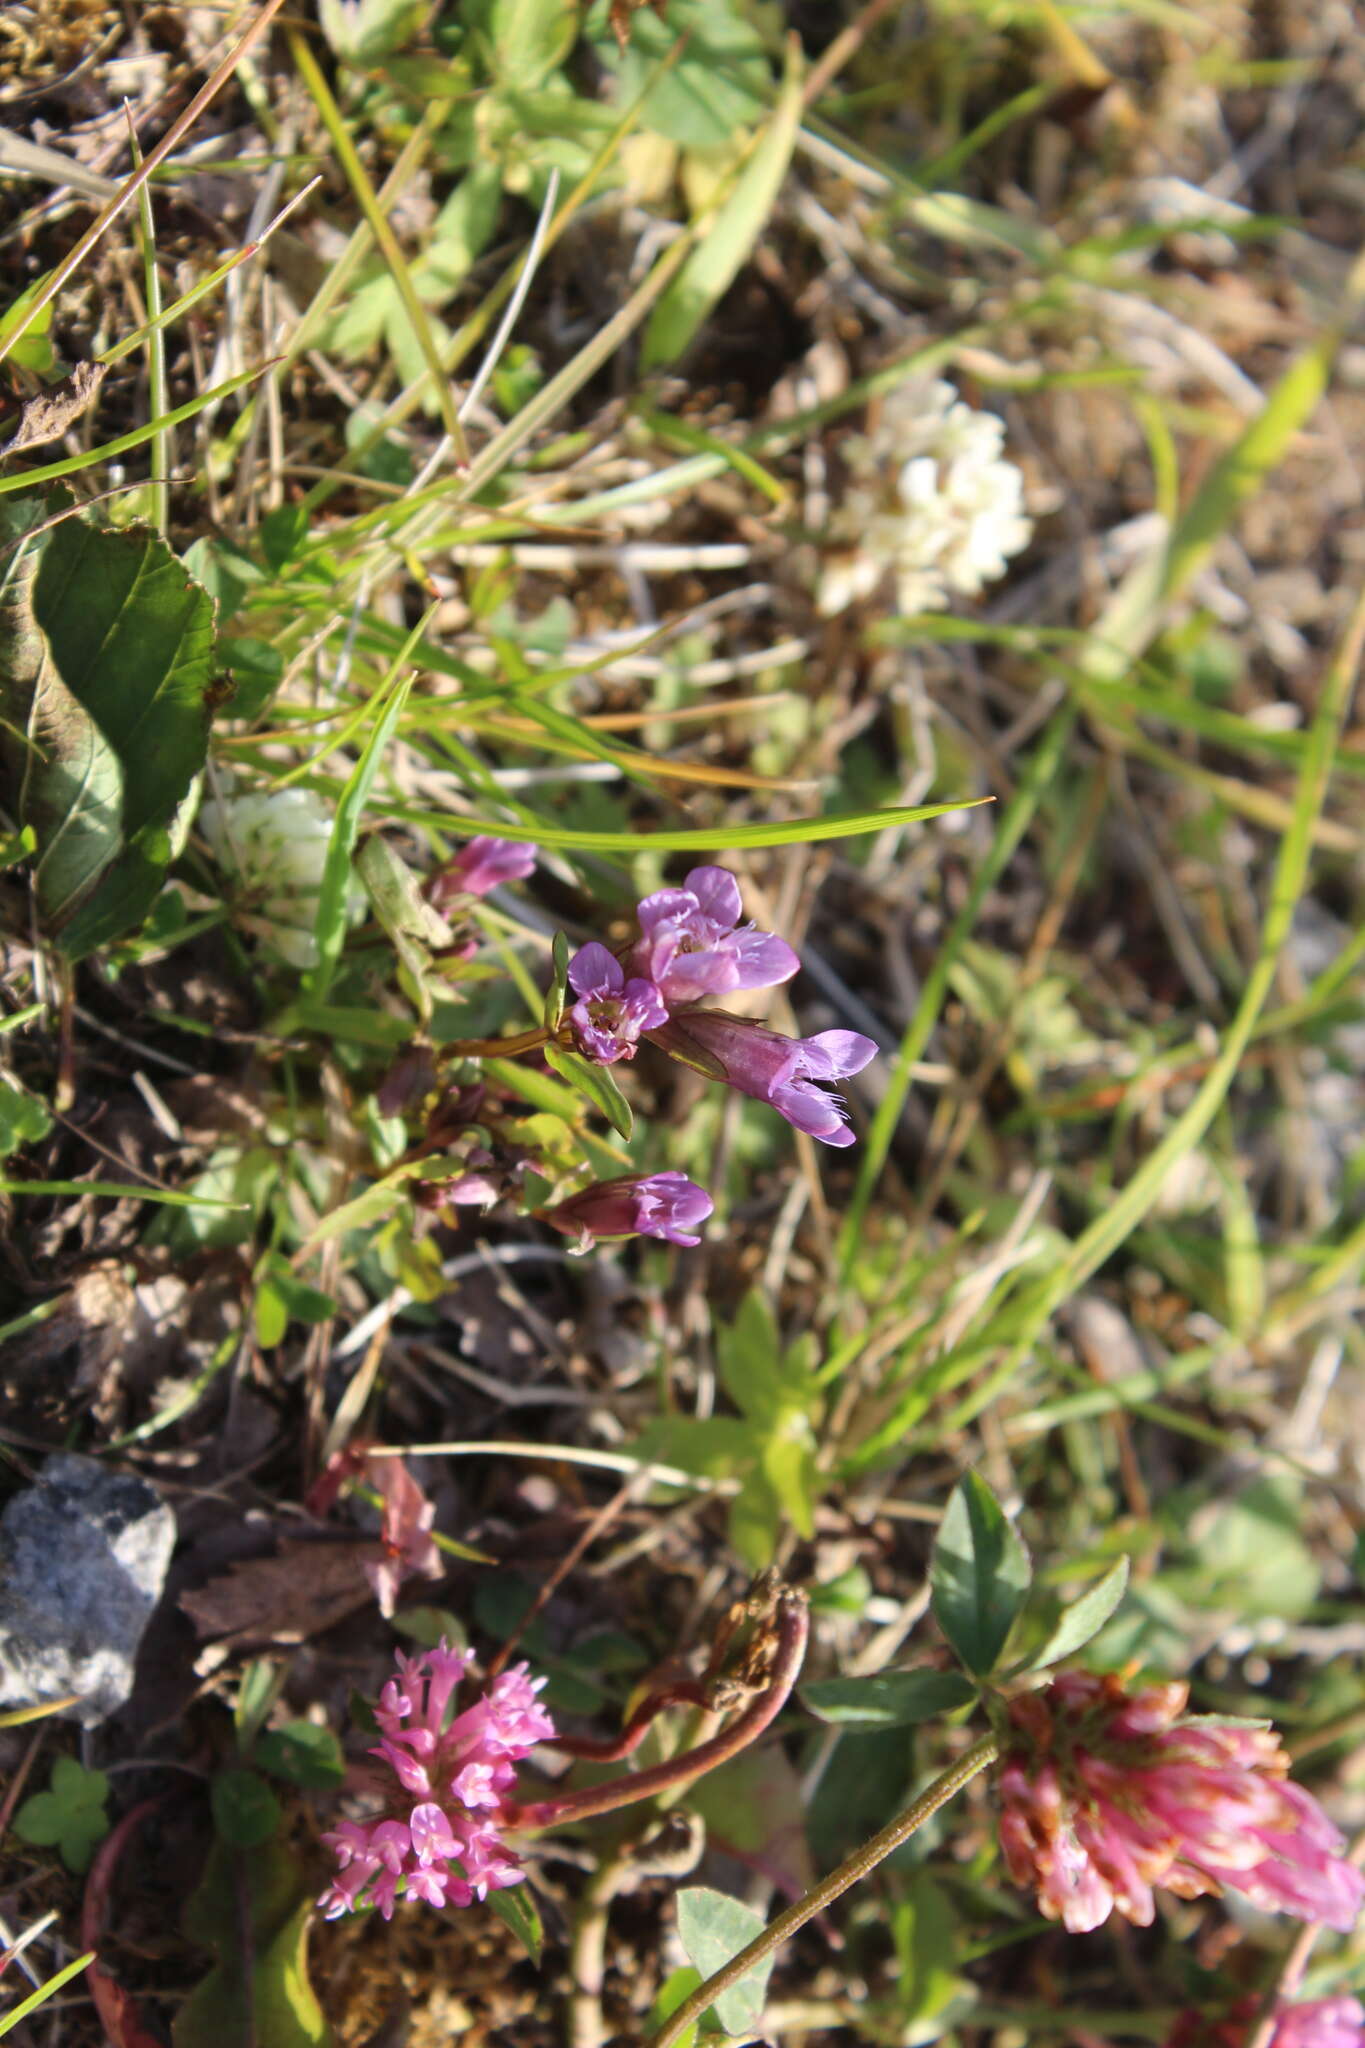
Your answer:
<point x="863" y="1860"/>
<point x="496" y="1048"/>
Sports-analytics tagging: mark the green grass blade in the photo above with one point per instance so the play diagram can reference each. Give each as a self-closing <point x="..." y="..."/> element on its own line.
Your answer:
<point x="789" y="832"/>
<point x="1046" y="760"/>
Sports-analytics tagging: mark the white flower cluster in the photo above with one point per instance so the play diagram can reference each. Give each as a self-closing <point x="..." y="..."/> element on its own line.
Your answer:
<point x="931" y="500"/>
<point x="273" y="845"/>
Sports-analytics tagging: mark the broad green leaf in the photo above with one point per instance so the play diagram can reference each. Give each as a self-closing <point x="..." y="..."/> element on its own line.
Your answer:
<point x="715" y="262"/>
<point x="105" y="673"/>
<point x="713" y="1928"/>
<point x="597" y="1083"/>
<point x="749" y="1356"/>
<point x="980" y="1575"/>
<point x="1084" y="1618"/>
<point x="720" y="83"/>
<point x="516" y="1908"/>
<point x="528" y="39"/>
<point x="70" y="1816"/>
<point x="303" y="1754"/>
<point x="889" y="1699"/>
<point x="277" y="2008"/>
<point x="24" y="1119"/>
<point x="754" y="1809"/>
<point x="131" y="633"/>
<point x="245" y="1810"/>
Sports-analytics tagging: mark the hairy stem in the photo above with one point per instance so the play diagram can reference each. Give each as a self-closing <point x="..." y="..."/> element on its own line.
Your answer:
<point x="863" y="1860"/>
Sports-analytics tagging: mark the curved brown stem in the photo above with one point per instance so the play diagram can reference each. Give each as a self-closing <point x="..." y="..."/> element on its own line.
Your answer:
<point x="689" y="1692"/>
<point x="496" y="1048"/>
<point x="793" y="1627"/>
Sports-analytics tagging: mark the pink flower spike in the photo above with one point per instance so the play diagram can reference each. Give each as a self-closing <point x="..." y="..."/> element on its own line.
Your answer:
<point x="448" y="1847"/>
<point x="1106" y="1795"/>
<point x="694" y="946"/>
<point x="482" y="864"/>
<point x="611" y="1011"/>
<point x="1318" y="2023"/>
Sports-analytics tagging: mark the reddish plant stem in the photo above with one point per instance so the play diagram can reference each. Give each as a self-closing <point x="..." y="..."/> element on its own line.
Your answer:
<point x="687" y="1693"/>
<point x="793" y="1626"/>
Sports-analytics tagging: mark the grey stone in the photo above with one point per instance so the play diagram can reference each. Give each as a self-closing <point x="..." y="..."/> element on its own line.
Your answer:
<point x="83" y="1557"/>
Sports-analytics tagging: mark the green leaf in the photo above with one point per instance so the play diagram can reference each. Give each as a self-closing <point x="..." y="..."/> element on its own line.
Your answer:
<point x="330" y="926"/>
<point x="722" y="250"/>
<point x="713" y="1928"/>
<point x="24" y="1119"/>
<point x="693" y="839"/>
<point x="597" y="1083"/>
<point x="517" y="1909"/>
<point x="749" y="1355"/>
<point x="1084" y="1618"/>
<point x="303" y="1754"/>
<point x="245" y="1810"/>
<point x="528" y="39"/>
<point x="890" y="1699"/>
<point x="105" y="670"/>
<point x="275" y="2007"/>
<point x="556" y="994"/>
<point x="719" y="85"/>
<point x="69" y="1816"/>
<point x="260" y="1686"/>
<point x="980" y="1575"/>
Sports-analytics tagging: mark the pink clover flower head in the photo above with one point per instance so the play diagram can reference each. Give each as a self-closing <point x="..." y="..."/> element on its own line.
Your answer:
<point x="1321" y="2023"/>
<point x="611" y="1011"/>
<point x="1318" y="2023"/>
<point x="443" y="1840"/>
<point x="773" y="1068"/>
<point x="694" y="944"/>
<point x="665" y="1205"/>
<point x="482" y="864"/>
<point x="1106" y="1794"/>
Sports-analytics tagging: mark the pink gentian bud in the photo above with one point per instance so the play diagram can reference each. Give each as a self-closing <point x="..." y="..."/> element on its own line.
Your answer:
<point x="1106" y="1794"/>
<point x="482" y="864"/>
<point x="694" y="945"/>
<point x="611" y="1011"/>
<point x="772" y="1068"/>
<point x="449" y="1804"/>
<point x="666" y="1205"/>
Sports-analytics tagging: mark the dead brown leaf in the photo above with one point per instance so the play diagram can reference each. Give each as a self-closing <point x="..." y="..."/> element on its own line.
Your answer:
<point x="304" y="1588"/>
<point x="47" y="416"/>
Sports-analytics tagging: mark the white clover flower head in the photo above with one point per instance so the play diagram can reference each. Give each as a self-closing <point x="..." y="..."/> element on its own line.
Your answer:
<point x="273" y="845"/>
<point x="931" y="502"/>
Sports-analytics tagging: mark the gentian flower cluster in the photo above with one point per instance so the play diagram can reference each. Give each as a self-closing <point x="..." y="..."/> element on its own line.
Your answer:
<point x="442" y="1838"/>
<point x="1107" y="1794"/>
<point x="692" y="945"/>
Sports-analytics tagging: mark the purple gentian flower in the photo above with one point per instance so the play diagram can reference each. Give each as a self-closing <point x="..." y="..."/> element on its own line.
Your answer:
<point x="694" y="946"/>
<point x="773" y="1068"/>
<point x="611" y="1012"/>
<point x="480" y="865"/>
<point x="666" y="1205"/>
